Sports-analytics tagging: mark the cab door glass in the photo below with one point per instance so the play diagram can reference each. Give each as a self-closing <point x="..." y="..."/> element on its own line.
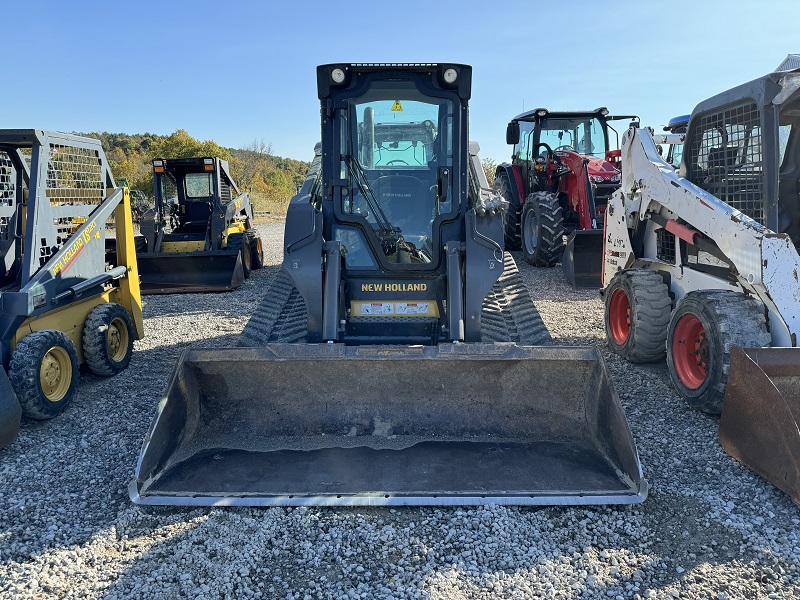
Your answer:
<point x="397" y="153"/>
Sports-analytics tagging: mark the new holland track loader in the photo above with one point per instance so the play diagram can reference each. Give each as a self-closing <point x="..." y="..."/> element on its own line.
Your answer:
<point x="64" y="301"/>
<point x="694" y="270"/>
<point x="372" y="377"/>
<point x="199" y="237"/>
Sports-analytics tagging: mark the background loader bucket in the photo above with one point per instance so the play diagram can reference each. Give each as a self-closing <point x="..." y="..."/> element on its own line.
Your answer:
<point x="582" y="260"/>
<point x="189" y="272"/>
<point x="292" y="424"/>
<point x="759" y="424"/>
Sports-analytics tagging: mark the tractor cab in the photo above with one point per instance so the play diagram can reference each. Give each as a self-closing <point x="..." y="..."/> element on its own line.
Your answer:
<point x="541" y="136"/>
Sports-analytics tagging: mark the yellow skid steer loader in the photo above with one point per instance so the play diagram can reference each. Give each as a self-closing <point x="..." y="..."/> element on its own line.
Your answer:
<point x="69" y="293"/>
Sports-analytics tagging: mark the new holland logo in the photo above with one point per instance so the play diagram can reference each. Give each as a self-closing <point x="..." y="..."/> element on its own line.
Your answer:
<point x="394" y="287"/>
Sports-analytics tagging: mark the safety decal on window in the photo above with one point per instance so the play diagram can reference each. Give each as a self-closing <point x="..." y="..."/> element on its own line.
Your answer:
<point x="397" y="107"/>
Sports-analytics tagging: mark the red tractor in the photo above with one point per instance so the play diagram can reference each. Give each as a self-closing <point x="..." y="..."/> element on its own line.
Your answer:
<point x="561" y="175"/>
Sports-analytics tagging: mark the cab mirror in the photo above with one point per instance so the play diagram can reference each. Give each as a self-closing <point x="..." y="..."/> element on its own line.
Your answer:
<point x="512" y="133"/>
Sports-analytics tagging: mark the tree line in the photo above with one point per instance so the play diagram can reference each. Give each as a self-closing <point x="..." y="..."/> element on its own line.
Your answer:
<point x="271" y="180"/>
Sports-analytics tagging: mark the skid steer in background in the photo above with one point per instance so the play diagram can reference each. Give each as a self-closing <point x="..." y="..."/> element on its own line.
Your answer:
<point x="199" y="237"/>
<point x="693" y="267"/>
<point x="561" y="175"/>
<point x="64" y="301"/>
<point x="392" y="257"/>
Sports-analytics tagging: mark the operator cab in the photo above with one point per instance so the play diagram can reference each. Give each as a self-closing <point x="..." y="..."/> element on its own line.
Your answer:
<point x="394" y="140"/>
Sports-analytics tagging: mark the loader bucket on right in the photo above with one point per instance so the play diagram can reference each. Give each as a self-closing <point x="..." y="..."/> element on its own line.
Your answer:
<point x="582" y="260"/>
<point x="10" y="411"/>
<point x="327" y="424"/>
<point x="189" y="272"/>
<point x="759" y="423"/>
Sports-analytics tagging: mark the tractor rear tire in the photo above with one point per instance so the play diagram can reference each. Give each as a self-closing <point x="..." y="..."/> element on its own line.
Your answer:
<point x="44" y="373"/>
<point x="108" y="339"/>
<point x="704" y="327"/>
<point x="542" y="230"/>
<point x="511" y="219"/>
<point x="637" y="310"/>
<point x="256" y="249"/>
<point x="239" y="241"/>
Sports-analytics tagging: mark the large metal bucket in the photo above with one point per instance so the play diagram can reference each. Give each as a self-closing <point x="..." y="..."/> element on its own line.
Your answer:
<point x="189" y="272"/>
<point x="759" y="423"/>
<point x="297" y="424"/>
<point x="582" y="261"/>
<point x="10" y="411"/>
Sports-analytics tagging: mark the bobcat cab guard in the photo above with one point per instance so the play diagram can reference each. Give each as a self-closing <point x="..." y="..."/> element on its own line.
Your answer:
<point x="392" y="256"/>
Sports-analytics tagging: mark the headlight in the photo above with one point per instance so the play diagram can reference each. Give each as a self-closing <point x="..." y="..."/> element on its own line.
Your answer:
<point x="337" y="75"/>
<point x="450" y="76"/>
<point x="599" y="178"/>
<point x="616" y="177"/>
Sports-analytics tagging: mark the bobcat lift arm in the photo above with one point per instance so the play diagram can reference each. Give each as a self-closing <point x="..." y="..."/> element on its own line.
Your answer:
<point x="653" y="195"/>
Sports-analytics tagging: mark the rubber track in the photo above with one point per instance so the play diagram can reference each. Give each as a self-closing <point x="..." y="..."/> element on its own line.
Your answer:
<point x="509" y="314"/>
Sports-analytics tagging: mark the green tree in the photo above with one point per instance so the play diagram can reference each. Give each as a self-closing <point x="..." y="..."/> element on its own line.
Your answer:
<point x="181" y="145"/>
<point x="489" y="167"/>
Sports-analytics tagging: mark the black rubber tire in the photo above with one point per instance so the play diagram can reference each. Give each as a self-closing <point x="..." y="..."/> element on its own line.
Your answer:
<point x="542" y="230"/>
<point x="256" y="250"/>
<point x="239" y="241"/>
<point x="646" y="298"/>
<point x="25" y="373"/>
<point x="512" y="216"/>
<point x="728" y="319"/>
<point x="108" y="339"/>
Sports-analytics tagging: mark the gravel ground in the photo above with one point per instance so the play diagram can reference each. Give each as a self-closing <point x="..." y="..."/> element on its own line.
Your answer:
<point x="710" y="528"/>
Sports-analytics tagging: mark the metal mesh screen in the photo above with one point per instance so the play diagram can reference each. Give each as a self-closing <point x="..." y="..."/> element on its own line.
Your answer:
<point x="225" y="187"/>
<point x="8" y="193"/>
<point x="74" y="175"/>
<point x="7" y="181"/>
<point x="665" y="246"/>
<point x="726" y="158"/>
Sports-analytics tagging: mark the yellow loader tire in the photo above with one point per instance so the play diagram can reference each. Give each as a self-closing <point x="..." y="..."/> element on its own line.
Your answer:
<point x="108" y="339"/>
<point x="44" y="373"/>
<point x="256" y="250"/>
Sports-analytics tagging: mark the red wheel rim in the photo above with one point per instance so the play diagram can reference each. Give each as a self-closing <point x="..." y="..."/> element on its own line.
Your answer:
<point x="619" y="316"/>
<point x="690" y="351"/>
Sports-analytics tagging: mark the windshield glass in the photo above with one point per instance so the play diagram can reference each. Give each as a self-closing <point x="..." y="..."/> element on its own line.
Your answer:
<point x="584" y="135"/>
<point x="397" y="153"/>
<point x="198" y="185"/>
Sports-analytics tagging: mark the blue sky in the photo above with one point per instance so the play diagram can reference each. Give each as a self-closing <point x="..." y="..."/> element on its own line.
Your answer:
<point x="236" y="71"/>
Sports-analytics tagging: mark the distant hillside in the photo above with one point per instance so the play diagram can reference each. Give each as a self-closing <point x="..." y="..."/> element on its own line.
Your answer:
<point x="271" y="180"/>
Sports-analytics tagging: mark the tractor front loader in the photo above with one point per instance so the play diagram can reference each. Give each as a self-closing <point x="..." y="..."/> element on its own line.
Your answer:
<point x="397" y="358"/>
<point x="199" y="237"/>
<point x="65" y="301"/>
<point x="696" y="273"/>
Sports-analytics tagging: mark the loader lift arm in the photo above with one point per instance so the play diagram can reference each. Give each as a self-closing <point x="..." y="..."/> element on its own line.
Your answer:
<point x="765" y="264"/>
